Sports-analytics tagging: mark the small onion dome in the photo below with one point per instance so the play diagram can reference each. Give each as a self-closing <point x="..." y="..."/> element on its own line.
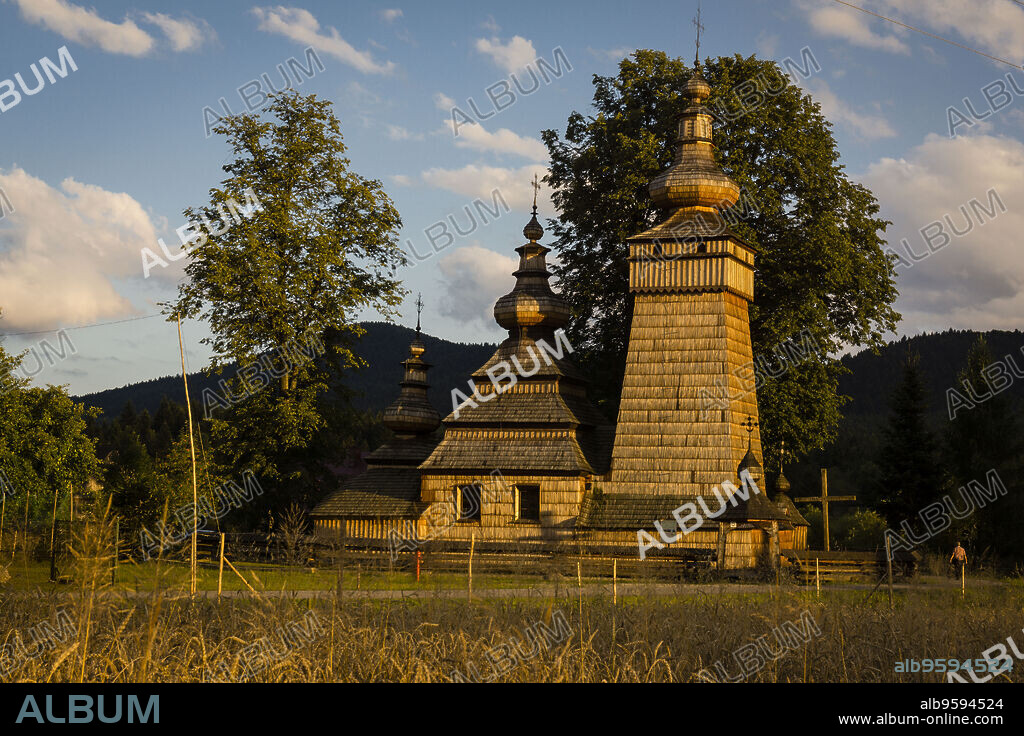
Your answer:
<point x="782" y="483"/>
<point x="697" y="88"/>
<point x="751" y="465"/>
<point x="533" y="231"/>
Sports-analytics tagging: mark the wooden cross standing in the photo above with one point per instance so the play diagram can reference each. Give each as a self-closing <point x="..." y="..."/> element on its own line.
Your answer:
<point x="824" y="499"/>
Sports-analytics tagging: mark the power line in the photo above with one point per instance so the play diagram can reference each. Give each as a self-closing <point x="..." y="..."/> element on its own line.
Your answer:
<point x="932" y="35"/>
<point x="82" y="327"/>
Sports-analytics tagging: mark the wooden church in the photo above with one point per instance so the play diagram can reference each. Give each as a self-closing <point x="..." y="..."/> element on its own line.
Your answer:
<point x="533" y="462"/>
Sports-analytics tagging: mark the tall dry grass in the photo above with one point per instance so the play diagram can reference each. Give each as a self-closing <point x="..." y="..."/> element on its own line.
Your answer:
<point x="162" y="637"/>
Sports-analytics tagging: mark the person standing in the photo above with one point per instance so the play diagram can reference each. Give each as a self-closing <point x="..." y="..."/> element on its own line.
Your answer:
<point x="959" y="558"/>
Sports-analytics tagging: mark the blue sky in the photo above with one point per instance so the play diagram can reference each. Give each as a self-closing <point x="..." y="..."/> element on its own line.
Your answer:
<point x="100" y="164"/>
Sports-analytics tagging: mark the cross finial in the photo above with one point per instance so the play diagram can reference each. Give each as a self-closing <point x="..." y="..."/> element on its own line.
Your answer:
<point x="750" y="424"/>
<point x="782" y="454"/>
<point x="419" y="308"/>
<point x="536" y="188"/>
<point x="700" y="27"/>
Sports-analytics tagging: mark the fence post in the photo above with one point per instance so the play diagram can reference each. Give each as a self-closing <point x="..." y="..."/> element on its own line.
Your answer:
<point x="888" y="562"/>
<point x="817" y="577"/>
<point x="615" y="581"/>
<point x="220" y="573"/>
<point x="472" y="546"/>
<point x="579" y="585"/>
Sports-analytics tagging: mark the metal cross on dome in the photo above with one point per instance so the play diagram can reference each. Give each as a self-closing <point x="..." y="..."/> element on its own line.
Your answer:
<point x="750" y="424"/>
<point x="700" y="27"/>
<point x="536" y="188"/>
<point x="419" y="309"/>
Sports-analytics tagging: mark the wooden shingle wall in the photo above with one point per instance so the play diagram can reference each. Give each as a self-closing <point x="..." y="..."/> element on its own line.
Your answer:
<point x="688" y="388"/>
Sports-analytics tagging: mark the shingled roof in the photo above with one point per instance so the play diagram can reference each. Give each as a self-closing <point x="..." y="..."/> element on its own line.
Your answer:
<point x="786" y="506"/>
<point x="622" y="511"/>
<point x="390" y="486"/>
<point x="380" y="492"/>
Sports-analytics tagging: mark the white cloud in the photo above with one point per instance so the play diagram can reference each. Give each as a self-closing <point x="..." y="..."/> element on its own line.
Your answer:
<point x="472" y="279"/>
<point x="616" y="54"/>
<point x="398" y="133"/>
<point x="480" y="181"/>
<point x="977" y="280"/>
<point x="475" y="136"/>
<point x="443" y="102"/>
<point x="300" y="25"/>
<point x="86" y="27"/>
<point x="995" y="26"/>
<point x="491" y="25"/>
<point x="517" y="54"/>
<point x="767" y="44"/>
<point x="184" y="34"/>
<point x="864" y="125"/>
<point x="851" y="25"/>
<point x="390" y="15"/>
<point x="401" y="180"/>
<point x="62" y="250"/>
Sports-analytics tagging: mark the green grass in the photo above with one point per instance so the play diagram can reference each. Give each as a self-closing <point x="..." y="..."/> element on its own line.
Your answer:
<point x="143" y="576"/>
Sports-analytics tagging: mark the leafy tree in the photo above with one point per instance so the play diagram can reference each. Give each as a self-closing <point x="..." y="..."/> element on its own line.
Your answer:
<point x="982" y="438"/>
<point x="44" y="447"/>
<point x="321" y="247"/>
<point x="821" y="264"/>
<point x="912" y="475"/>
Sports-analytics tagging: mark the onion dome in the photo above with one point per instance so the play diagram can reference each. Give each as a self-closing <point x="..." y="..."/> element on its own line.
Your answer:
<point x="411" y="413"/>
<point x="532" y="303"/>
<point x="751" y="465"/>
<point x="694" y="179"/>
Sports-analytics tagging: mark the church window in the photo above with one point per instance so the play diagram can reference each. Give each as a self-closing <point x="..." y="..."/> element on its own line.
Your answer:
<point x="469" y="502"/>
<point x="527" y="503"/>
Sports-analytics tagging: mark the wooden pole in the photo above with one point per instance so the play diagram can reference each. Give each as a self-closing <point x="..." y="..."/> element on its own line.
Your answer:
<point x="240" y="576"/>
<point x="817" y="577"/>
<point x="824" y="506"/>
<point x="220" y="573"/>
<point x="579" y="586"/>
<point x="888" y="562"/>
<point x="472" y="545"/>
<point x="615" y="581"/>
<point x="117" y="547"/>
<point x="192" y="445"/>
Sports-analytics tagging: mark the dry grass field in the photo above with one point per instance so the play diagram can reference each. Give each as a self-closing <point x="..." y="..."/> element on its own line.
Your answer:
<point x="91" y="631"/>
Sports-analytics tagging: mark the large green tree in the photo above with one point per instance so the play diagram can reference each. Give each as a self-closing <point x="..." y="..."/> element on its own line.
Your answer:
<point x="821" y="265"/>
<point x="292" y="276"/>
